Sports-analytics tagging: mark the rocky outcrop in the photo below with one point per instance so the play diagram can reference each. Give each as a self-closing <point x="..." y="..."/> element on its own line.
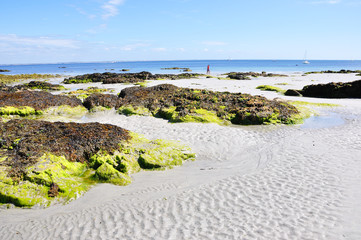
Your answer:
<point x="4" y="70"/>
<point x="31" y="86"/>
<point x="36" y="99"/>
<point x="248" y="75"/>
<point x="40" y="160"/>
<point x="333" y="90"/>
<point x="187" y="105"/>
<point x="108" y="77"/>
<point x="330" y="71"/>
<point x="104" y="100"/>
<point x="293" y="92"/>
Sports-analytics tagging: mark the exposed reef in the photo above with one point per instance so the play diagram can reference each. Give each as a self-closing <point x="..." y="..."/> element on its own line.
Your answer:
<point x="26" y="103"/>
<point x="109" y="77"/>
<point x="248" y="75"/>
<point x="330" y="71"/>
<point x="18" y="77"/>
<point x="84" y="93"/>
<point x="329" y="90"/>
<point x="40" y="160"/>
<point x="194" y="105"/>
<point x="4" y="70"/>
<point x="32" y="86"/>
<point x="178" y="68"/>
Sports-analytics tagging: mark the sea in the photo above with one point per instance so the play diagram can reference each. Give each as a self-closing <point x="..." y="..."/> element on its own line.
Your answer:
<point x="197" y="66"/>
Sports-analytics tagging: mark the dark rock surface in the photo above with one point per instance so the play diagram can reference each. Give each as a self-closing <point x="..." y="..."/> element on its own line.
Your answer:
<point x="36" y="99"/>
<point x="104" y="100"/>
<point x="333" y="90"/>
<point x="26" y="140"/>
<point x="234" y="107"/>
<point x="247" y="75"/>
<point x="32" y="85"/>
<point x="293" y="92"/>
<point x="109" y="77"/>
<point x="340" y="71"/>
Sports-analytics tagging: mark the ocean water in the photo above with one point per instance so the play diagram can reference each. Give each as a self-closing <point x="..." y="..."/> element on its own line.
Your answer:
<point x="197" y="66"/>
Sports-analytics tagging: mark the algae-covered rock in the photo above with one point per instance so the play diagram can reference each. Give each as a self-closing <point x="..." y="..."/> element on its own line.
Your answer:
<point x="108" y="77"/>
<point x="42" y="161"/>
<point x="195" y="105"/>
<point x="108" y="173"/>
<point x="26" y="103"/>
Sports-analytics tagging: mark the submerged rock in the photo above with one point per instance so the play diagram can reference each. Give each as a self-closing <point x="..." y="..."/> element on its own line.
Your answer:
<point x="194" y="105"/>
<point x="41" y="161"/>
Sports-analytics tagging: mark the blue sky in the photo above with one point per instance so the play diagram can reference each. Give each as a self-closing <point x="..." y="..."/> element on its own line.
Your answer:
<point x="45" y="31"/>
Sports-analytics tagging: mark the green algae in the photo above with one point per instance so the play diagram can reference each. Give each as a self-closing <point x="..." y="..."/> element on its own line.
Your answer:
<point x="20" y="111"/>
<point x="130" y="110"/>
<point x="107" y="173"/>
<point x="306" y="110"/>
<point x="270" y="88"/>
<point x="75" y="178"/>
<point x="66" y="110"/>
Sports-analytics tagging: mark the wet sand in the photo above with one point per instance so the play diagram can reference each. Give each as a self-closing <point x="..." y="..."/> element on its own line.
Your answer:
<point x="248" y="182"/>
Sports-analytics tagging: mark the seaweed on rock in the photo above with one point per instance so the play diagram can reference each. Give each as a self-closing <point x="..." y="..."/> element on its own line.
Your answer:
<point x="108" y="77"/>
<point x="25" y="103"/>
<point x="40" y="160"/>
<point x="192" y="105"/>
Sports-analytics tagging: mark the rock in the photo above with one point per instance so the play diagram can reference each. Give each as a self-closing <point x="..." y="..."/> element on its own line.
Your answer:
<point x="108" y="78"/>
<point x="4" y="70"/>
<point x="104" y="100"/>
<point x="247" y="75"/>
<point x="41" y="161"/>
<point x="334" y="90"/>
<point x="330" y="71"/>
<point x="293" y="92"/>
<point x="33" y="102"/>
<point x="193" y="105"/>
<point x="31" y="86"/>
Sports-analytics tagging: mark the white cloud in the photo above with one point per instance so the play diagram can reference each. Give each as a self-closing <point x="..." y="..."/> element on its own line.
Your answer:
<point x="213" y="43"/>
<point x="37" y="42"/>
<point x="111" y="8"/>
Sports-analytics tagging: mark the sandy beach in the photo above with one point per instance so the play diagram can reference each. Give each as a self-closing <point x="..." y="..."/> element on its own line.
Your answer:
<point x="248" y="182"/>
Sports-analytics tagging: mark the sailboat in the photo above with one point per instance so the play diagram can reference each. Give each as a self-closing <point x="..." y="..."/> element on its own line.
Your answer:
<point x="305" y="59"/>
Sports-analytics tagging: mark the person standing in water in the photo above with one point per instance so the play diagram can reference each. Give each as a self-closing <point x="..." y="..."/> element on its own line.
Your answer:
<point x="208" y="71"/>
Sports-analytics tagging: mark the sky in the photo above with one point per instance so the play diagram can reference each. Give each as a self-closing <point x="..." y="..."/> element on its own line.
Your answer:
<point x="45" y="31"/>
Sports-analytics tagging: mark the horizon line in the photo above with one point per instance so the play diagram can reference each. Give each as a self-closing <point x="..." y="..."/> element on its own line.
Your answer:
<point x="120" y="61"/>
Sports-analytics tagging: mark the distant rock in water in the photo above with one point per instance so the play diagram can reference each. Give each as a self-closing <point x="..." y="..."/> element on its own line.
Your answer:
<point x="109" y="77"/>
<point x="195" y="105"/>
<point x="4" y="70"/>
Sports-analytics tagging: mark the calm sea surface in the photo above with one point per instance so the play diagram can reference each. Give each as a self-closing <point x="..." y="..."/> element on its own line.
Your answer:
<point x="197" y="66"/>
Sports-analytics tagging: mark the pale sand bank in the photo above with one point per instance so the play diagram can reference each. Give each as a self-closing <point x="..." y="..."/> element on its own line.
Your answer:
<point x="265" y="182"/>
